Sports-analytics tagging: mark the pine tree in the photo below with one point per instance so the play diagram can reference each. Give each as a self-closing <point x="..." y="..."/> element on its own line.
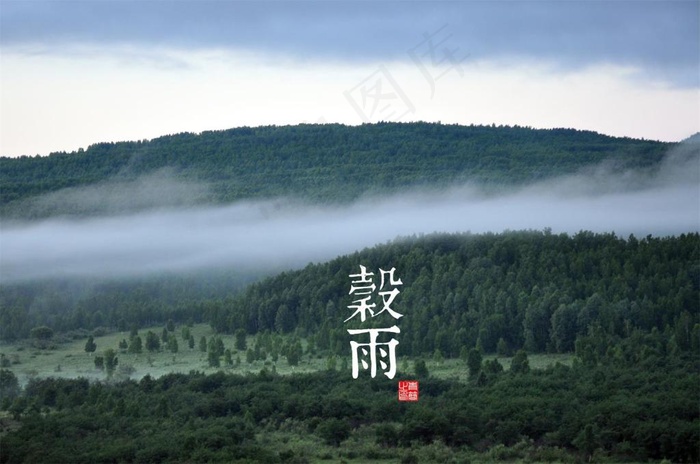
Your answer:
<point x="474" y="362"/>
<point x="90" y="345"/>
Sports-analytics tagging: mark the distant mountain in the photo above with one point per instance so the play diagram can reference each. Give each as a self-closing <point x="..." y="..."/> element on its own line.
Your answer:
<point x="327" y="163"/>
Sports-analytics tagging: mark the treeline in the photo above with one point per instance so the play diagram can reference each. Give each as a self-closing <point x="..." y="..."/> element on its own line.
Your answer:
<point x="636" y="407"/>
<point x="323" y="163"/>
<point x="72" y="305"/>
<point x="499" y="292"/>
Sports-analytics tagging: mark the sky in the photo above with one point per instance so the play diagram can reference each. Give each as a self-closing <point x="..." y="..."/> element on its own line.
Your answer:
<point x="74" y="73"/>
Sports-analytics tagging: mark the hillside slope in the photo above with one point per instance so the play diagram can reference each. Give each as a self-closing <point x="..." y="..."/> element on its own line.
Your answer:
<point x="321" y="163"/>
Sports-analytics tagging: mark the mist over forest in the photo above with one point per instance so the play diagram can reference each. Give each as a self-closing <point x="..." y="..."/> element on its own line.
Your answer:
<point x="161" y="221"/>
<point x="510" y="242"/>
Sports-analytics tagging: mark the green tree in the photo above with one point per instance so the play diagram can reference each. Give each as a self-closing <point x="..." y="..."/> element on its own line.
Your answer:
<point x="331" y="363"/>
<point x="213" y="359"/>
<point x="474" y="362"/>
<point x="240" y="340"/>
<point x="172" y="344"/>
<point x="152" y="341"/>
<point x="587" y="441"/>
<point x="90" y="345"/>
<point x="110" y="361"/>
<point x="333" y="431"/>
<point x="284" y="320"/>
<point x="99" y="362"/>
<point x="564" y="328"/>
<point x="294" y="353"/>
<point x="421" y="369"/>
<point x="203" y="344"/>
<point x="123" y="345"/>
<point x="42" y="333"/>
<point x="190" y="342"/>
<point x="502" y="348"/>
<point x="520" y="364"/>
<point x="9" y="386"/>
<point x="170" y="325"/>
<point x="136" y="345"/>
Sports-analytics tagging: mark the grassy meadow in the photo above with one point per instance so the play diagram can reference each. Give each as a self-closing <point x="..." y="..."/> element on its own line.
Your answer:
<point x="69" y="359"/>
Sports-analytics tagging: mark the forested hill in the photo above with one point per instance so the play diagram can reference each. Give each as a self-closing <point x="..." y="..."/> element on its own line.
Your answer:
<point x="500" y="292"/>
<point x="329" y="163"/>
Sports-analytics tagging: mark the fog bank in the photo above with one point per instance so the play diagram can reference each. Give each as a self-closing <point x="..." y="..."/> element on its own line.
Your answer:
<point x="275" y="235"/>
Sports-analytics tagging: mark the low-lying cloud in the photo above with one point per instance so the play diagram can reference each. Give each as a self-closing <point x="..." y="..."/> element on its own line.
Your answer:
<point x="159" y="189"/>
<point x="270" y="236"/>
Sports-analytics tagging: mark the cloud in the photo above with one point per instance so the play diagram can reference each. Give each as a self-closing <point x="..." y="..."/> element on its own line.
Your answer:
<point x="275" y="235"/>
<point x="160" y="189"/>
<point x="659" y="37"/>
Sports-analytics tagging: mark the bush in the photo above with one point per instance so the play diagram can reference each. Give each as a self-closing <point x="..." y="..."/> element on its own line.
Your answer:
<point x="333" y="431"/>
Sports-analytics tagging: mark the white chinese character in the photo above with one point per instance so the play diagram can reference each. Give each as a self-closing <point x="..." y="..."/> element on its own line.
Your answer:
<point x="364" y="279"/>
<point x="362" y="309"/>
<point x="388" y="297"/>
<point x="370" y="349"/>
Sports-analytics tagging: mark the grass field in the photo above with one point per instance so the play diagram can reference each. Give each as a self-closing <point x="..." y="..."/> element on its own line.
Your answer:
<point x="69" y="360"/>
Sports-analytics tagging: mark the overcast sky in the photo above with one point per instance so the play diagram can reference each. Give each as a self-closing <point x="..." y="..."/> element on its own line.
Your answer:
<point x="75" y="73"/>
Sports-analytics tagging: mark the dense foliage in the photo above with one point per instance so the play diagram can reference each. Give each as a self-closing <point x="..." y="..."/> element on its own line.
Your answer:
<point x="532" y="290"/>
<point x="638" y="406"/>
<point x="500" y="292"/>
<point x="327" y="163"/>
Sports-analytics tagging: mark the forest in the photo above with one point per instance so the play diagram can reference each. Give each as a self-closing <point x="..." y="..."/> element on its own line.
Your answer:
<point x="627" y="309"/>
<point x="624" y="310"/>
<point x="327" y="163"/>
<point x="501" y="292"/>
<point x="634" y="405"/>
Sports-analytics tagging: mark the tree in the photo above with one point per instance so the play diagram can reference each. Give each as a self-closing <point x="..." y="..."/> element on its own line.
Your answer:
<point x="474" y="362"/>
<point x="90" y="345"/>
<point x="421" y="369"/>
<point x="333" y="431"/>
<point x="42" y="333"/>
<point x="152" y="342"/>
<point x="136" y="345"/>
<point x="586" y="441"/>
<point x="502" y="347"/>
<point x="185" y="332"/>
<point x="203" y="344"/>
<point x="170" y="325"/>
<point x="9" y="386"/>
<point x="284" y="319"/>
<point x="563" y="331"/>
<point x="190" y="342"/>
<point x="164" y="336"/>
<point x="240" y="340"/>
<point x="172" y="344"/>
<point x="249" y="356"/>
<point x="110" y="361"/>
<point x="213" y="359"/>
<point x="123" y="345"/>
<point x="294" y="353"/>
<point x="331" y="363"/>
<point x="520" y="364"/>
<point x="99" y="362"/>
<point x="492" y="367"/>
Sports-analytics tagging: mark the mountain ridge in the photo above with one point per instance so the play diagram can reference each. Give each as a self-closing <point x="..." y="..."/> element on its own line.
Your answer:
<point x="325" y="163"/>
